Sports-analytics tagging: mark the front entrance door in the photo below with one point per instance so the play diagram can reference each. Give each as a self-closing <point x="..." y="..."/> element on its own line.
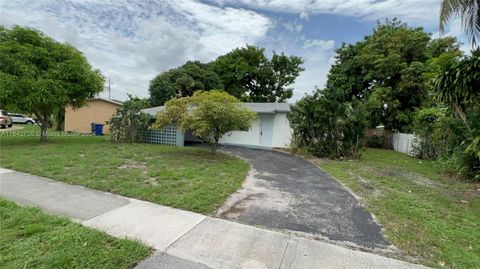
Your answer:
<point x="266" y="129"/>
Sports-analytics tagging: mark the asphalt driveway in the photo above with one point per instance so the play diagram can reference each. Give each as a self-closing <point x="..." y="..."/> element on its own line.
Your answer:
<point x="289" y="193"/>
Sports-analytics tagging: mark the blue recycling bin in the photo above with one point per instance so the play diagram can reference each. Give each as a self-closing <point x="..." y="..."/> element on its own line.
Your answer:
<point x="97" y="129"/>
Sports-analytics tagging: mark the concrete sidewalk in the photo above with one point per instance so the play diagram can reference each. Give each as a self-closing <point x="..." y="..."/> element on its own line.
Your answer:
<point x="183" y="239"/>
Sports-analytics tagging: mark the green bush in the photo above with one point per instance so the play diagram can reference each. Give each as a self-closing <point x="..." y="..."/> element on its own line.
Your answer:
<point x="457" y="87"/>
<point x="471" y="158"/>
<point x="443" y="137"/>
<point x="327" y="128"/>
<point x="375" y="141"/>
<point x="438" y="133"/>
<point x="462" y="163"/>
<point x="127" y="124"/>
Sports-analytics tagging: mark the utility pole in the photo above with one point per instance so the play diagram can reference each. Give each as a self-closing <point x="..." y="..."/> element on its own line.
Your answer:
<point x="109" y="90"/>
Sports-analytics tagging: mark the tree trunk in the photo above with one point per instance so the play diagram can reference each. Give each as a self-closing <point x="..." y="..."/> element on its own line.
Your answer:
<point x="213" y="146"/>
<point x="462" y="115"/>
<point x="59" y="121"/>
<point x="44" y="128"/>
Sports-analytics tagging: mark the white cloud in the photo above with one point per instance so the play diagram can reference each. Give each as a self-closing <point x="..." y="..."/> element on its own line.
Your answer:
<point x="424" y="11"/>
<point x="304" y="15"/>
<point x="318" y="55"/>
<point x="321" y="44"/>
<point x="293" y="27"/>
<point x="454" y="28"/>
<point x="132" y="41"/>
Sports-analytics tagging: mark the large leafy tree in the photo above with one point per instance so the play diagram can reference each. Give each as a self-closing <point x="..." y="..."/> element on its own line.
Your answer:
<point x="250" y="76"/>
<point x="208" y="114"/>
<point x="41" y="76"/>
<point x="387" y="71"/>
<point x="469" y="13"/>
<point x="182" y="82"/>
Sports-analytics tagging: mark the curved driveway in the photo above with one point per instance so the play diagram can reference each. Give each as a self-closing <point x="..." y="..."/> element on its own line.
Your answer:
<point x="287" y="192"/>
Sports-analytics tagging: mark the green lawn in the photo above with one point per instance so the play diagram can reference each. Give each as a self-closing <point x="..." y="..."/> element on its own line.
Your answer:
<point x="32" y="239"/>
<point x="182" y="177"/>
<point x="426" y="214"/>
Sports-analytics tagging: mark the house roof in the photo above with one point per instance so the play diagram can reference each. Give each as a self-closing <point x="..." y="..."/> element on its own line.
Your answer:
<point x="257" y="107"/>
<point x="108" y="101"/>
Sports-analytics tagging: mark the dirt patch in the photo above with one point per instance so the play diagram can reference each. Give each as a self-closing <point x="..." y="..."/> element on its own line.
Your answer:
<point x="255" y="193"/>
<point x="134" y="165"/>
<point x="473" y="191"/>
<point x="151" y="181"/>
<point x="413" y="177"/>
<point x="367" y="186"/>
<point x="238" y="207"/>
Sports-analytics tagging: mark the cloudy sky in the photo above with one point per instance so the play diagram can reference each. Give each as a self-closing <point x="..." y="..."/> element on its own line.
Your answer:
<point x="131" y="41"/>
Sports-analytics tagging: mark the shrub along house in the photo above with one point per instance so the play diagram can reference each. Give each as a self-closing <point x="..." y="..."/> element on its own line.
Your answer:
<point x="271" y="129"/>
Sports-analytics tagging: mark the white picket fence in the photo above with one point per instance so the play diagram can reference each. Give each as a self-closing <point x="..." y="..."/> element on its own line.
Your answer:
<point x="403" y="142"/>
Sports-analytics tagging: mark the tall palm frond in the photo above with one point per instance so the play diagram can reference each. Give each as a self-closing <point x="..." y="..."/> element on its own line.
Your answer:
<point x="469" y="13"/>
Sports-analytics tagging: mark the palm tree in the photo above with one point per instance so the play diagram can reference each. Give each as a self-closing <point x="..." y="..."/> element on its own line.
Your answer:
<point x="469" y="13"/>
<point x="459" y="85"/>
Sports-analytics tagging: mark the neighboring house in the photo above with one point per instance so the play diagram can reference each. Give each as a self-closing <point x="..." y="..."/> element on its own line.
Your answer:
<point x="97" y="110"/>
<point x="271" y="129"/>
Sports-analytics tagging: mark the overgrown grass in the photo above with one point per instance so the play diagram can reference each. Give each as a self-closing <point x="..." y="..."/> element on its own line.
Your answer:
<point x="425" y="213"/>
<point x="182" y="177"/>
<point x="32" y="239"/>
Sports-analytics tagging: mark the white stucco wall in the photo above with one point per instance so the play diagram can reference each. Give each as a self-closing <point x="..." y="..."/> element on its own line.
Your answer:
<point x="282" y="133"/>
<point x="250" y="137"/>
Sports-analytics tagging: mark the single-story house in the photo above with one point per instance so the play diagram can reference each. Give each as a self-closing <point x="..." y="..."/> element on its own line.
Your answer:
<point x="97" y="110"/>
<point x="271" y="129"/>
